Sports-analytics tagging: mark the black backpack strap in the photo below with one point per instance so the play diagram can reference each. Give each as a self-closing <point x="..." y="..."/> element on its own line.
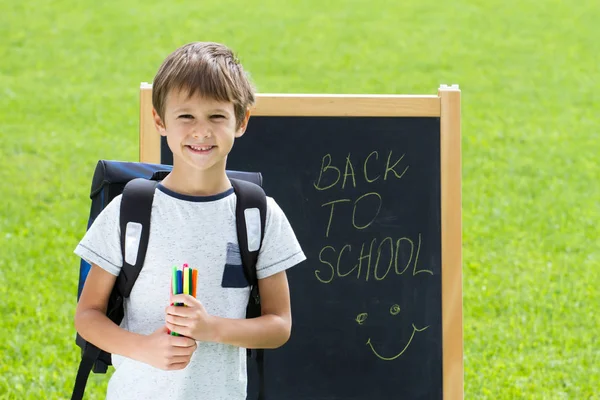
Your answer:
<point x="260" y="365"/>
<point x="136" y="207"/>
<point x="88" y="357"/>
<point x="251" y="196"/>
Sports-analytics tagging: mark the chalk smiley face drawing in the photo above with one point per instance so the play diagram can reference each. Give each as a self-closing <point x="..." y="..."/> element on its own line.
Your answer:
<point x="394" y="310"/>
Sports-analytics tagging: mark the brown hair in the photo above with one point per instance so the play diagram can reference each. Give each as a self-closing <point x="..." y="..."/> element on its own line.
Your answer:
<point x="208" y="68"/>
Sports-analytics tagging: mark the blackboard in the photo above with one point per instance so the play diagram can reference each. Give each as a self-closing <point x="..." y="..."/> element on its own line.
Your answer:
<point x="365" y="196"/>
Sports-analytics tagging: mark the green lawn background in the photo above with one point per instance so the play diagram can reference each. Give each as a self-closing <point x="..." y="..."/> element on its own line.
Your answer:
<point x="528" y="71"/>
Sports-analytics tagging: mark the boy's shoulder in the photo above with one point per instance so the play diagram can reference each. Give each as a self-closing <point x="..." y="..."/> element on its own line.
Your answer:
<point x="276" y="218"/>
<point x="273" y="208"/>
<point x="113" y="208"/>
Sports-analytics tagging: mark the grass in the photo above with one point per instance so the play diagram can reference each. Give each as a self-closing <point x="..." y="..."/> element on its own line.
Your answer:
<point x="69" y="78"/>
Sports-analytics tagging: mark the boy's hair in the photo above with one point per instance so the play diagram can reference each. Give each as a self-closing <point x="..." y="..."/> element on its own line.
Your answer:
<point x="208" y="68"/>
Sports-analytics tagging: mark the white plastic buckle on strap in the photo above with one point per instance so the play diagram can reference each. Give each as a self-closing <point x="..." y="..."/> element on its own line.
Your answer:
<point x="253" y="228"/>
<point x="133" y="235"/>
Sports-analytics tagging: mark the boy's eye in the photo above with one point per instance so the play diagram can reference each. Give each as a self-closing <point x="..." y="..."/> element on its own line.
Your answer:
<point x="186" y="116"/>
<point x="217" y="116"/>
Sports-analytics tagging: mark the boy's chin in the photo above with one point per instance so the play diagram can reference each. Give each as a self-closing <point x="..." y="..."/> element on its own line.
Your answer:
<point x="195" y="166"/>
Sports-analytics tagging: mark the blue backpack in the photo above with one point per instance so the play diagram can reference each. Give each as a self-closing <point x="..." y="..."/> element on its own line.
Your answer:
<point x="137" y="182"/>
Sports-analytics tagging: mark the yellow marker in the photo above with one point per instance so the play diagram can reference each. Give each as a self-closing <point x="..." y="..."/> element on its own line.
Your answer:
<point x="186" y="280"/>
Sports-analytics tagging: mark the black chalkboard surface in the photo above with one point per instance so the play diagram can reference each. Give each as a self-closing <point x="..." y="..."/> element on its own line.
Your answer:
<point x="373" y="199"/>
<point x="363" y="196"/>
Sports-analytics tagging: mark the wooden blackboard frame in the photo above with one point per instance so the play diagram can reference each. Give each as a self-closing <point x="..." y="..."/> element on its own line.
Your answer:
<point x="446" y="106"/>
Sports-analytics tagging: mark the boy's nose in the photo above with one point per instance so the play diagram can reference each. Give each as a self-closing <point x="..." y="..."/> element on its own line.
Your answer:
<point x="201" y="133"/>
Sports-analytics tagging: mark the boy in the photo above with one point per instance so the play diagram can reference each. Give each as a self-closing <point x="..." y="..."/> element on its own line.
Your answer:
<point x="201" y="101"/>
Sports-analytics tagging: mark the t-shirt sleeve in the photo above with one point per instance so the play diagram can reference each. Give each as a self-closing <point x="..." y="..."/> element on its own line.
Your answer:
<point x="280" y="248"/>
<point x="101" y="245"/>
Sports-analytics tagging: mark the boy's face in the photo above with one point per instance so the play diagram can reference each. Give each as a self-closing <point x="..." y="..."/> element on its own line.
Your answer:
<point x="200" y="131"/>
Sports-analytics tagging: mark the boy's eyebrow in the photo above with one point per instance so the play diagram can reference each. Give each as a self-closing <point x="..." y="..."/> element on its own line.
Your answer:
<point x="220" y="110"/>
<point x="212" y="110"/>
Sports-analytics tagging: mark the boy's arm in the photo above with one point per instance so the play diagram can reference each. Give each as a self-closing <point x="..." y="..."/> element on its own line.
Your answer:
<point x="91" y="321"/>
<point x="270" y="330"/>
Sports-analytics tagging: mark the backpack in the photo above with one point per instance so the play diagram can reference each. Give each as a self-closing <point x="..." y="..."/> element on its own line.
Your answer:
<point x="137" y="182"/>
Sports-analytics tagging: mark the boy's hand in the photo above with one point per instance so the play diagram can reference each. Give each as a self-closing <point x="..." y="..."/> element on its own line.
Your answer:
<point x="163" y="351"/>
<point x="192" y="321"/>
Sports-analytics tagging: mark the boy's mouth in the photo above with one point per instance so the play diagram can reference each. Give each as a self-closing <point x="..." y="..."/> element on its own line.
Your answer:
<point x="200" y="149"/>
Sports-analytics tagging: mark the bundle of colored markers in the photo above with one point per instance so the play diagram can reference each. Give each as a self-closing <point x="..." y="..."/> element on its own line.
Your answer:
<point x="183" y="281"/>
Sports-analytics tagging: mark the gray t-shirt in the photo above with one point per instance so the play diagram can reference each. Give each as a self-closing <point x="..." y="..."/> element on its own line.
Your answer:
<point x="201" y="232"/>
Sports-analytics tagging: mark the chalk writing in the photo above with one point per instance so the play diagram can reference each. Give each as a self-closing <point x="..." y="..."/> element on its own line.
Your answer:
<point x="333" y="174"/>
<point x="372" y="258"/>
<point x="415" y="330"/>
<point x="394" y="310"/>
<point x="349" y="164"/>
<point x="365" y="167"/>
<point x="388" y="168"/>
<point x="366" y="265"/>
<point x="361" y="318"/>
<point x="356" y="225"/>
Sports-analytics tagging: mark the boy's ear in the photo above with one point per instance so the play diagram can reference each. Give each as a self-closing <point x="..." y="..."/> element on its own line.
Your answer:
<point x="243" y="125"/>
<point x="158" y="123"/>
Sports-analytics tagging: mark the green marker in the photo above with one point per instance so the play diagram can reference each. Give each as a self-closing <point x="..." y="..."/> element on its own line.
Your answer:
<point x="174" y="291"/>
<point x="174" y="281"/>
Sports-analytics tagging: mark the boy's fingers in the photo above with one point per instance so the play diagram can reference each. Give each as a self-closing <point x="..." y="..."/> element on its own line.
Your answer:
<point x="181" y="341"/>
<point x="176" y="320"/>
<point x="179" y="311"/>
<point x="186" y="299"/>
<point x="180" y="359"/>
<point x="181" y="352"/>
<point x="181" y="330"/>
<point x="179" y="365"/>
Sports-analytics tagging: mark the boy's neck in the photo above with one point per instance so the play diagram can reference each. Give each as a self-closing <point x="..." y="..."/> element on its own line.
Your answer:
<point x="197" y="183"/>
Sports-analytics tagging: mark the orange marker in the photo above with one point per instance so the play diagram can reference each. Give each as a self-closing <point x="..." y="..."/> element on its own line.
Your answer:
<point x="194" y="281"/>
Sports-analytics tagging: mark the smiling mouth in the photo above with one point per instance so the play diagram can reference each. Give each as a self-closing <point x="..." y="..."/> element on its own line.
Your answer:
<point x="415" y="330"/>
<point x="200" y="149"/>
